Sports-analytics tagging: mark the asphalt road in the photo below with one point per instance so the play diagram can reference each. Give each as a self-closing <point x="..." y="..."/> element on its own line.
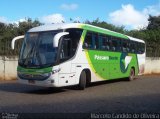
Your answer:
<point x="138" y="96"/>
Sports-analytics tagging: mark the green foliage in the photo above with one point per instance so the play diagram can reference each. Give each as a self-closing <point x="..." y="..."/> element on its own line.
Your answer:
<point x="9" y="31"/>
<point x="152" y="39"/>
<point x="154" y="22"/>
<point x="105" y="25"/>
<point x="151" y="34"/>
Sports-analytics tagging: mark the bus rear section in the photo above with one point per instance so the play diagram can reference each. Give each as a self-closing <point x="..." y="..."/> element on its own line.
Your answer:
<point x="112" y="57"/>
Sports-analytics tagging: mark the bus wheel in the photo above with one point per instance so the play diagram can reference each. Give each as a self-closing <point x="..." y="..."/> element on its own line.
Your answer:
<point x="82" y="81"/>
<point x="132" y="74"/>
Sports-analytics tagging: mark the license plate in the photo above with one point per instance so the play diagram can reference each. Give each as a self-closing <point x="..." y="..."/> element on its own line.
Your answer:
<point x="31" y="81"/>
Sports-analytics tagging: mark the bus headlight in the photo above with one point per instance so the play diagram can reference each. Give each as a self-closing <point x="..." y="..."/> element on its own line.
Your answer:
<point x="46" y="74"/>
<point x="56" y="71"/>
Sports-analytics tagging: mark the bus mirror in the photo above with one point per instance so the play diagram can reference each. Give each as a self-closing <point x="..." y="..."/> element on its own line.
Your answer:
<point x="14" y="39"/>
<point x="57" y="38"/>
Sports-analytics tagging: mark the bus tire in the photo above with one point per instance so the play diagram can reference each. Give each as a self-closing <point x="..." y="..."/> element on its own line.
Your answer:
<point x="82" y="80"/>
<point x="131" y="75"/>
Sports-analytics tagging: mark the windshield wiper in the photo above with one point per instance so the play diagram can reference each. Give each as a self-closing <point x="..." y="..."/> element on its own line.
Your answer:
<point x="28" y="55"/>
<point x="38" y="57"/>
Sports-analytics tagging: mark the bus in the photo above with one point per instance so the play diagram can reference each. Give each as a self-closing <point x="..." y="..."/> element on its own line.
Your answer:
<point x="66" y="54"/>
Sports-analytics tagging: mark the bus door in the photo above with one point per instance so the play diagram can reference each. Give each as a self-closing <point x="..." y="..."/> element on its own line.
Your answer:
<point x="65" y="75"/>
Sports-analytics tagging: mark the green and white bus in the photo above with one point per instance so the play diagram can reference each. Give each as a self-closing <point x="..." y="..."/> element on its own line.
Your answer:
<point x="67" y="54"/>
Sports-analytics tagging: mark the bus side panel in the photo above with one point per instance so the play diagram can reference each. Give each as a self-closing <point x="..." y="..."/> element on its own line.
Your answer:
<point x="112" y="65"/>
<point x="128" y="61"/>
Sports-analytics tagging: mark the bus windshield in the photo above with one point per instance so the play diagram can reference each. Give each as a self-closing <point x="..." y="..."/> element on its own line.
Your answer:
<point x="37" y="49"/>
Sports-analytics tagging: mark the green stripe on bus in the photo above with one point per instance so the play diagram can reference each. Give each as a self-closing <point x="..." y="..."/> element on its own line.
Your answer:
<point x="103" y="31"/>
<point x="34" y="71"/>
<point x="110" y="65"/>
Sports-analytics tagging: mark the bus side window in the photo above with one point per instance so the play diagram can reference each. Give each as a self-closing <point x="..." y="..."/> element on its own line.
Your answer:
<point x="114" y="44"/>
<point x="88" y="41"/>
<point x="141" y="48"/>
<point x="65" y="52"/>
<point x="124" y="46"/>
<point x="74" y="35"/>
<point x="91" y="41"/>
<point x="132" y="47"/>
<point x="104" y="43"/>
<point x="95" y="41"/>
<point x="112" y="48"/>
<point x="69" y="44"/>
<point x="117" y="42"/>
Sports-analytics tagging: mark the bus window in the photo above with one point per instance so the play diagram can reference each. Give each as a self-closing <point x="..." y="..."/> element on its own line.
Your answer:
<point x="114" y="44"/>
<point x="88" y="44"/>
<point x="69" y="44"/>
<point x="74" y="35"/>
<point x="132" y="47"/>
<point x="65" y="52"/>
<point x="104" y="43"/>
<point x="91" y="41"/>
<point x="141" y="48"/>
<point x="125" y="46"/>
<point x="112" y="48"/>
<point x="95" y="41"/>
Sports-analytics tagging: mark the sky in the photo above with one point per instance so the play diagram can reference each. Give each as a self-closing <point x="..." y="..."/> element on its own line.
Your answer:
<point x="132" y="14"/>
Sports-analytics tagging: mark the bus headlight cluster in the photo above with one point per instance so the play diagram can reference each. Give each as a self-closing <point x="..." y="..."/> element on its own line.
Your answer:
<point x="56" y="71"/>
<point x="46" y="74"/>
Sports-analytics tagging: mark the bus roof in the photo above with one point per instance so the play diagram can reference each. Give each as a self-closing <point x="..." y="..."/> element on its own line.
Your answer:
<point x="135" y="39"/>
<point x="59" y="26"/>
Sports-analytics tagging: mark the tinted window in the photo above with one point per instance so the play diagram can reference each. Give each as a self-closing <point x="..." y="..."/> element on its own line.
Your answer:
<point x="91" y="41"/>
<point x="125" y="45"/>
<point x="65" y="49"/>
<point x="69" y="44"/>
<point x="37" y="50"/>
<point x="88" y="44"/>
<point x="74" y="36"/>
<point x="115" y="44"/>
<point x="140" y="48"/>
<point x="112" y="43"/>
<point x="104" y="42"/>
<point x="133" y="48"/>
<point x="95" y="40"/>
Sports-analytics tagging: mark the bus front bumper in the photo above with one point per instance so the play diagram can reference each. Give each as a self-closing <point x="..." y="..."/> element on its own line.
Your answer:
<point x="50" y="82"/>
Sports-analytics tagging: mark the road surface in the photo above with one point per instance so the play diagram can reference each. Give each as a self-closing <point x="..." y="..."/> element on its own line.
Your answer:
<point x="138" y="96"/>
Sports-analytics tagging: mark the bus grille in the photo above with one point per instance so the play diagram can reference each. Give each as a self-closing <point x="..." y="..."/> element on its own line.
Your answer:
<point x="39" y="77"/>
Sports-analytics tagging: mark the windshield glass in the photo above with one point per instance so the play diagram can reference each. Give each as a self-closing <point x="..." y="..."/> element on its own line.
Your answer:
<point x="37" y="50"/>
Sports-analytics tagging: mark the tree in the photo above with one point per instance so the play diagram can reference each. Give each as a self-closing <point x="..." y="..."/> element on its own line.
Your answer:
<point x="9" y="31"/>
<point x="151" y="34"/>
<point x="106" y="25"/>
<point x="154" y="22"/>
<point x="26" y="25"/>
